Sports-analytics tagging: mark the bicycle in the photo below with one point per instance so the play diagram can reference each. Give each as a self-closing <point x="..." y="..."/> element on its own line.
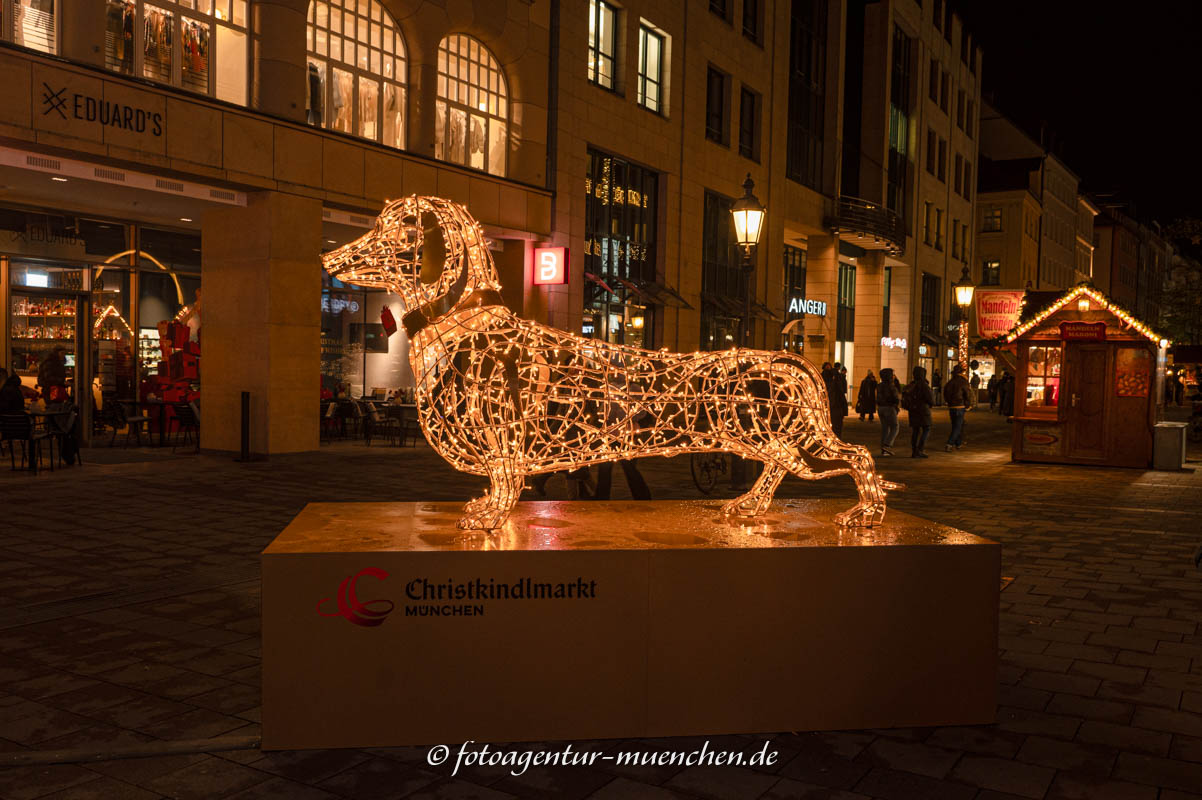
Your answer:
<point x="707" y="468"/>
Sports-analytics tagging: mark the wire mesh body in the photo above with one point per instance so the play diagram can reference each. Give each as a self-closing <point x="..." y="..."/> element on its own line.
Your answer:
<point x="506" y="397"/>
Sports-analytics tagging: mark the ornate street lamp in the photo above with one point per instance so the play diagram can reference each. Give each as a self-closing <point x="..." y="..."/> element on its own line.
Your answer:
<point x="964" y="289"/>
<point x="748" y="214"/>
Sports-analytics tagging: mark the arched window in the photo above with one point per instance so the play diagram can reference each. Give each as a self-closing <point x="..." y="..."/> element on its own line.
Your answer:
<point x="356" y="70"/>
<point x="472" y="106"/>
<point x="198" y="45"/>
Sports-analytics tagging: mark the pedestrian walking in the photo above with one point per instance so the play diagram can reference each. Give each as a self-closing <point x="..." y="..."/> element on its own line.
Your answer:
<point x="838" y="395"/>
<point x="937" y="387"/>
<point x="958" y="394"/>
<point x="975" y="383"/>
<point x="888" y="402"/>
<point x="991" y="390"/>
<point x="866" y="398"/>
<point x="1006" y="395"/>
<point x="917" y="399"/>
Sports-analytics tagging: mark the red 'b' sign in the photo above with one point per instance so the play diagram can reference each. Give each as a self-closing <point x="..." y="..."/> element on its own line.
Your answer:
<point x="550" y="265"/>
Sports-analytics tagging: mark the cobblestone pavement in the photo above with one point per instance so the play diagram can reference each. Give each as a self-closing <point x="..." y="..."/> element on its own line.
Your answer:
<point x="129" y="617"/>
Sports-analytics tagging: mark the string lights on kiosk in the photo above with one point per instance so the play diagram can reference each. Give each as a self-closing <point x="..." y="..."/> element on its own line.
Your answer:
<point x="507" y="398"/>
<point x="1094" y="297"/>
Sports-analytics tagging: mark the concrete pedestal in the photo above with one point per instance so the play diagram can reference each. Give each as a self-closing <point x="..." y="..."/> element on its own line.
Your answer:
<point x="383" y="625"/>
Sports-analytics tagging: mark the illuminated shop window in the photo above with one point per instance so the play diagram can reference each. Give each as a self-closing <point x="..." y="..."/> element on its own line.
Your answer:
<point x="198" y="45"/>
<point x="472" y="110"/>
<point x="1043" y="379"/>
<point x="356" y="70"/>
<point x="31" y="23"/>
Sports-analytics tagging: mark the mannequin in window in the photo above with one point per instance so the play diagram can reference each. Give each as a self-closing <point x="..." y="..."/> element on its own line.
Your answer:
<point x="315" y="95"/>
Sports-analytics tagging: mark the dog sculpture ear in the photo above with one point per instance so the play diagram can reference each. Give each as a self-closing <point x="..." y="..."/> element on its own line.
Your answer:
<point x="433" y="251"/>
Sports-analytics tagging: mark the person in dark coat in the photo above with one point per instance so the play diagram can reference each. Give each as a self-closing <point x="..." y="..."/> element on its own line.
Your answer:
<point x="888" y="401"/>
<point x="918" y="399"/>
<point x="1006" y="395"/>
<point x="837" y="389"/>
<point x="959" y="396"/>
<point x="866" y="398"/>
<point x="991" y="390"/>
<point x="12" y="399"/>
<point x="937" y="387"/>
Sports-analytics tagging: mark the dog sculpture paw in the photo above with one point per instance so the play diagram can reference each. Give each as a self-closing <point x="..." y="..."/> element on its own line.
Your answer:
<point x="484" y="520"/>
<point x="746" y="506"/>
<point x="862" y="515"/>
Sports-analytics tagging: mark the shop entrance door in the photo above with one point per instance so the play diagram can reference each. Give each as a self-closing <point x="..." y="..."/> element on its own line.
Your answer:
<point x="1085" y="404"/>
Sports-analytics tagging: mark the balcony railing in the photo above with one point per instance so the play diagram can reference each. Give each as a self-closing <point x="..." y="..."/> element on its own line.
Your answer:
<point x="869" y="225"/>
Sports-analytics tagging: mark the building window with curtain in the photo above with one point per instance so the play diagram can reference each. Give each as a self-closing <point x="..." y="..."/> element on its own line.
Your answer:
<point x="473" y="106"/>
<point x="723" y="282"/>
<point x="620" y="212"/>
<point x="31" y="23"/>
<point x="200" y="46"/>
<point x="651" y="69"/>
<point x="356" y="70"/>
<point x="602" y="43"/>
<point x="899" y="124"/>
<point x="807" y="92"/>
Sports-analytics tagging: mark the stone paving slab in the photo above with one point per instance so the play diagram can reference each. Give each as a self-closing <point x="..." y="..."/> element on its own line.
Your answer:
<point x="129" y="614"/>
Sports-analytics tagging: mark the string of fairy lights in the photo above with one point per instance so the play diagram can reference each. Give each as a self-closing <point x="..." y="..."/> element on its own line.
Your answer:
<point x="506" y="397"/>
<point x="1095" y="297"/>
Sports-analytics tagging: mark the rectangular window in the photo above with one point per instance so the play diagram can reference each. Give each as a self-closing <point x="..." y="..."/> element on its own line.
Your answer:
<point x="993" y="220"/>
<point x="964" y="242"/>
<point x="929" y="319"/>
<point x="991" y="273"/>
<point x="722" y="277"/>
<point x="752" y="13"/>
<point x="955" y="238"/>
<point x="620" y="213"/>
<point x="119" y="36"/>
<point x="939" y="229"/>
<point x="807" y="92"/>
<point x="231" y="65"/>
<point x="899" y="125"/>
<point x="967" y="180"/>
<point x="958" y="173"/>
<point x="717" y="120"/>
<point x="933" y="82"/>
<point x="749" y="124"/>
<point x="926" y="222"/>
<point x="945" y="82"/>
<point x="941" y="170"/>
<point x="721" y="8"/>
<point x="969" y="119"/>
<point x="845" y="322"/>
<point x="33" y="25"/>
<point x="651" y="69"/>
<point x="156" y="62"/>
<point x="1043" y="379"/>
<point x="932" y="151"/>
<point x="888" y="294"/>
<point x="602" y="43"/>
<point x="960" y="109"/>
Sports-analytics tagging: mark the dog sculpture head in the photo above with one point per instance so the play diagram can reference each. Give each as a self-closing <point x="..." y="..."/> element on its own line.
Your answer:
<point x="427" y="250"/>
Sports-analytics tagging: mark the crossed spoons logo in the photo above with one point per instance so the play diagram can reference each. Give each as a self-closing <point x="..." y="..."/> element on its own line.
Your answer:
<point x="369" y="614"/>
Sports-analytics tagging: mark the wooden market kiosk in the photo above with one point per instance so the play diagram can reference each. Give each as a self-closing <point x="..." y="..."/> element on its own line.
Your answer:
<point x="1088" y="377"/>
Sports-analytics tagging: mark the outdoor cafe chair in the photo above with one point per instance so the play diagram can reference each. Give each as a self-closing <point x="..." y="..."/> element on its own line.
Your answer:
<point x="187" y="423"/>
<point x="132" y="423"/>
<point x="20" y="428"/>
<point x="59" y="427"/>
<point x="377" y="422"/>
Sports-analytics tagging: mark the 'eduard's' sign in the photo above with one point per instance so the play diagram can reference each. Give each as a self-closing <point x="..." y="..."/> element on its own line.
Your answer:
<point x="84" y="107"/>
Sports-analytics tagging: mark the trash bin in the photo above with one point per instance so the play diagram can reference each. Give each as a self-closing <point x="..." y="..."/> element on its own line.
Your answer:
<point x="1168" y="448"/>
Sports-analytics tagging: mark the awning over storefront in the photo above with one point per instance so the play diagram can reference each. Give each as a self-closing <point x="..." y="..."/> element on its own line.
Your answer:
<point x="762" y="311"/>
<point x="591" y="277"/>
<point x="723" y="305"/>
<point x="654" y="293"/>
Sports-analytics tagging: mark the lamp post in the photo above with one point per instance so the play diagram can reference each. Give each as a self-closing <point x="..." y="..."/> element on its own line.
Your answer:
<point x="964" y="289"/>
<point x="748" y="214"/>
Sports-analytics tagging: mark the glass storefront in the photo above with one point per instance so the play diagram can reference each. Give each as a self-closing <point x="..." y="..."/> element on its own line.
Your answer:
<point x="101" y="311"/>
<point x="359" y="358"/>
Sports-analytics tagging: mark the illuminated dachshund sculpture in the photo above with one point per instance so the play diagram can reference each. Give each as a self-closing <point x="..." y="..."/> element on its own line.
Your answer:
<point x="505" y="397"/>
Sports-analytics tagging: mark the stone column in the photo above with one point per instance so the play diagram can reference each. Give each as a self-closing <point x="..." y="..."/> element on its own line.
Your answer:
<point x="261" y="323"/>
<point x="870" y="299"/>
<point x="822" y="283"/>
<point x="279" y="77"/>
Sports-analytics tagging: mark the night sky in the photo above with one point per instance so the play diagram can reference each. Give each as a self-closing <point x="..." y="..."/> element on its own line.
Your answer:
<point x="1119" y="84"/>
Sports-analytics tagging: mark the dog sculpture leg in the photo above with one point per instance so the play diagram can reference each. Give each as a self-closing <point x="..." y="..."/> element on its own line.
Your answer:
<point x="489" y="511"/>
<point x="856" y="461"/>
<point x="757" y="500"/>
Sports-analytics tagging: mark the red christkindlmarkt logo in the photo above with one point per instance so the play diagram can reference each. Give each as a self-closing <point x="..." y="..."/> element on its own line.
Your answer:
<point x="369" y="614"/>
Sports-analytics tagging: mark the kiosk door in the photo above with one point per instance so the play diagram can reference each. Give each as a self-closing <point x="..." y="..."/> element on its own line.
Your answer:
<point x="1085" y="403"/>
